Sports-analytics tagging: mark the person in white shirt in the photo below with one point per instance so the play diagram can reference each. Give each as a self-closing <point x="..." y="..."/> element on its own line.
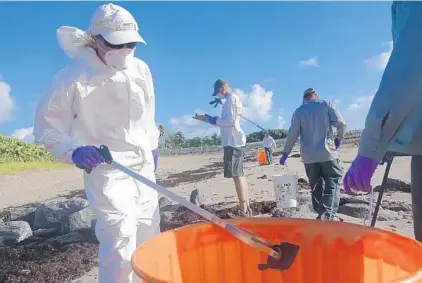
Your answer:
<point x="105" y="95"/>
<point x="233" y="139"/>
<point x="269" y="146"/>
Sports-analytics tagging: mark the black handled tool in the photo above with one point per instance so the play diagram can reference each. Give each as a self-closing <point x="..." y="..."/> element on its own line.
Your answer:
<point x="278" y="256"/>
<point x="105" y="153"/>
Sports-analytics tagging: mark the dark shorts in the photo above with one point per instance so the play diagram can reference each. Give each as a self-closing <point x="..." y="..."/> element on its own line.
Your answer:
<point x="233" y="162"/>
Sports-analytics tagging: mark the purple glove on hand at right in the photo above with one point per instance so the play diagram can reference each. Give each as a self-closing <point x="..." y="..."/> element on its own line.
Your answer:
<point x="283" y="158"/>
<point x="359" y="175"/>
<point x="87" y="157"/>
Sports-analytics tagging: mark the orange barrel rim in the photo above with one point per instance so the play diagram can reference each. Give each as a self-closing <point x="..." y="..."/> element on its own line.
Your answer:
<point x="370" y="249"/>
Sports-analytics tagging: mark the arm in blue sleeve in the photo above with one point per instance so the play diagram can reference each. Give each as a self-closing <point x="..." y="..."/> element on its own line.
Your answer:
<point x="399" y="92"/>
<point x="337" y="121"/>
<point x="293" y="134"/>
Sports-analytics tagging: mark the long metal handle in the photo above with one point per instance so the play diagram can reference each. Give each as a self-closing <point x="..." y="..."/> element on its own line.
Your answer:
<point x="381" y="192"/>
<point x="243" y="235"/>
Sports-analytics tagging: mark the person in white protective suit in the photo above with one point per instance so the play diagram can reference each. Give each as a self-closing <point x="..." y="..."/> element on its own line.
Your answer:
<point x="106" y="96"/>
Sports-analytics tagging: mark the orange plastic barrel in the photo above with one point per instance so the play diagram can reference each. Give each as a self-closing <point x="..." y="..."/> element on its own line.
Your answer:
<point x="330" y="252"/>
<point x="262" y="158"/>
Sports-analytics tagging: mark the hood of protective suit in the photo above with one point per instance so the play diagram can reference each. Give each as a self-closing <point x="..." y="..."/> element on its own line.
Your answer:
<point x="73" y="41"/>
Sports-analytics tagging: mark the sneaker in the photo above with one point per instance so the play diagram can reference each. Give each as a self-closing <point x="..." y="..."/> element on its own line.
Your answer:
<point x="329" y="216"/>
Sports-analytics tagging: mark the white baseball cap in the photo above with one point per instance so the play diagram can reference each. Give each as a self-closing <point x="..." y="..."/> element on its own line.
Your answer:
<point x="115" y="24"/>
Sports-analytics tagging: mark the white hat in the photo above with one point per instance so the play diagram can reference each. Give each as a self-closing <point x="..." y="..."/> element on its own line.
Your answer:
<point x="115" y="24"/>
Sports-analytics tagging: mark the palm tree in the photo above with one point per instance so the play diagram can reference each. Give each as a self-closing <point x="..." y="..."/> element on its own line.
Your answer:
<point x="161" y="129"/>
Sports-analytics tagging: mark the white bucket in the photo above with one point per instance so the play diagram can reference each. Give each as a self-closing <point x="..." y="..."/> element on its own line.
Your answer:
<point x="285" y="188"/>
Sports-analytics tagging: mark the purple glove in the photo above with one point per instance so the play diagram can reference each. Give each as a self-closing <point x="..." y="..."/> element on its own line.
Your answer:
<point x="359" y="175"/>
<point x="337" y="143"/>
<point x="283" y="158"/>
<point x="87" y="157"/>
<point x="155" y="155"/>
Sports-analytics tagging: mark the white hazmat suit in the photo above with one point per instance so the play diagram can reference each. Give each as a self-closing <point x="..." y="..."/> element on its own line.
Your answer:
<point x="89" y="103"/>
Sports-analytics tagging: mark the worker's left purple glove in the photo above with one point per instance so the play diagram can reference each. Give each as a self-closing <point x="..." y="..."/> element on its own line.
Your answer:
<point x="155" y="155"/>
<point x="337" y="143"/>
<point x="359" y="175"/>
<point x="211" y="120"/>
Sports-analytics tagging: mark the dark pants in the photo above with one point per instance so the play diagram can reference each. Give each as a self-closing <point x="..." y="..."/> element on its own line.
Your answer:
<point x="269" y="155"/>
<point x="416" y="184"/>
<point x="324" y="178"/>
<point x="233" y="161"/>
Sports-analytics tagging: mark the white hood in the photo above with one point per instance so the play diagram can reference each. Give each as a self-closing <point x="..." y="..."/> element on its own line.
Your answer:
<point x="73" y="40"/>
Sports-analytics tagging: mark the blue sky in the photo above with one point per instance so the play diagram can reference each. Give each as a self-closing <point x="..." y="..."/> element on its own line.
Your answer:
<point x="269" y="51"/>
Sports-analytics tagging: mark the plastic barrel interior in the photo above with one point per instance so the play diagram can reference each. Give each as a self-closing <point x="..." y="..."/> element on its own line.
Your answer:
<point x="330" y="252"/>
<point x="262" y="158"/>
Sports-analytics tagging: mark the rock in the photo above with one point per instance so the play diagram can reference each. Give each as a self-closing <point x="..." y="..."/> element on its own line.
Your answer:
<point x="284" y="213"/>
<point x="224" y="206"/>
<point x="81" y="219"/>
<point x="171" y="207"/>
<point x="23" y="213"/>
<point x="163" y="201"/>
<point x="302" y="182"/>
<point x="197" y="197"/>
<point x="344" y="200"/>
<point x="361" y="210"/>
<point x="399" y="207"/>
<point x="14" y="232"/>
<point x="396" y="185"/>
<point x="166" y="216"/>
<point x="55" y="213"/>
<point x="93" y="223"/>
<point x="304" y="198"/>
<point x="262" y="177"/>
<point x="67" y="238"/>
<point x="43" y="233"/>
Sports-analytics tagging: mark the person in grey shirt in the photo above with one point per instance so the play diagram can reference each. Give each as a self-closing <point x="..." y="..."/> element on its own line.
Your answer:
<point x="313" y="122"/>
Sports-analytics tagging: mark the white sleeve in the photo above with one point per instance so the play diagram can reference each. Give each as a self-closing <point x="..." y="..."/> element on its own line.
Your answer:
<point x="233" y="108"/>
<point x="54" y="117"/>
<point x="152" y="130"/>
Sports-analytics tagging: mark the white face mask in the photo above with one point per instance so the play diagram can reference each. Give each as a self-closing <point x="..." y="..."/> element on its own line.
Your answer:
<point x="119" y="59"/>
<point x="221" y="96"/>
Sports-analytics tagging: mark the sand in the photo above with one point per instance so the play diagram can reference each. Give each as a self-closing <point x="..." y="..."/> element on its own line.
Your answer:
<point x="205" y="174"/>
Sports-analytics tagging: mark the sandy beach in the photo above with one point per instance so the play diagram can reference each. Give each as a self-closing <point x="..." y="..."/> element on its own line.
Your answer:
<point x="182" y="174"/>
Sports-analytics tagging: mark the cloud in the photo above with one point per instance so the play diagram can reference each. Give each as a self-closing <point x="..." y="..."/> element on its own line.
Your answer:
<point x="355" y="113"/>
<point x="336" y="101"/>
<point x="256" y="106"/>
<point x="24" y="134"/>
<point x="268" y="80"/>
<point x="257" y="103"/>
<point x="281" y="122"/>
<point x="6" y="102"/>
<point x="362" y="102"/>
<point x="191" y="127"/>
<point x="379" y="61"/>
<point x="311" y="62"/>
